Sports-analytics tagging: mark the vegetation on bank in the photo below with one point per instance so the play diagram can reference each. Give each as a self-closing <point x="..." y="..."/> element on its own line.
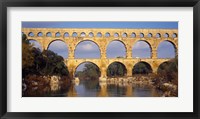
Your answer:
<point x="90" y="71"/>
<point x="45" y="63"/>
<point x="40" y="69"/>
<point x="167" y="77"/>
<point x="116" y="70"/>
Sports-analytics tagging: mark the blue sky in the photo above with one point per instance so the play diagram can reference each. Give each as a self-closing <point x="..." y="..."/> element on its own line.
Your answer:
<point x="88" y="49"/>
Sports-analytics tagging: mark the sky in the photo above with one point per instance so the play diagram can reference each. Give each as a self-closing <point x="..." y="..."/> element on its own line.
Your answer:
<point x="89" y="49"/>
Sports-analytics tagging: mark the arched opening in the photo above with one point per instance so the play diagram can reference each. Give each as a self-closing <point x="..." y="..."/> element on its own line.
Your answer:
<point x="141" y="68"/>
<point x="141" y="49"/>
<point x="40" y="34"/>
<point x="66" y="34"/>
<point x="59" y="47"/>
<point x="169" y="70"/>
<point x="87" y="49"/>
<point x="141" y="35"/>
<point x="35" y="44"/>
<point x="124" y="35"/>
<point x="74" y="34"/>
<point x="87" y="70"/>
<point x="116" y="35"/>
<point x="31" y="34"/>
<point x="91" y="34"/>
<point x="158" y="35"/>
<point x="107" y="34"/>
<point x="57" y="34"/>
<point x="174" y="35"/>
<point x="133" y="35"/>
<point x="99" y="34"/>
<point x="166" y="35"/>
<point x="150" y="35"/>
<point x="166" y="49"/>
<point x="49" y="34"/>
<point x="83" y="34"/>
<point x="116" y="69"/>
<point x="116" y="49"/>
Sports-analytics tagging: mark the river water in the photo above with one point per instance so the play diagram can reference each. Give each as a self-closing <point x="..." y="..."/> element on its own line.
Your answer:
<point x="94" y="88"/>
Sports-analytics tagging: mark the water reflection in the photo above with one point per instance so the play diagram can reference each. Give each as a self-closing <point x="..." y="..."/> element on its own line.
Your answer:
<point x="94" y="88"/>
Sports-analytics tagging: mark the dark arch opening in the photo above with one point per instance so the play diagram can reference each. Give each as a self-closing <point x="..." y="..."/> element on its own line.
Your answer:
<point x="150" y="35"/>
<point x="87" y="70"/>
<point x="166" y="49"/>
<point x="116" y="69"/>
<point x="141" y="68"/>
<point x="141" y="49"/>
<point x="87" y="49"/>
<point x="107" y="34"/>
<point x="91" y="34"/>
<point x="49" y="34"/>
<point x="83" y="34"/>
<point x="59" y="47"/>
<point x="31" y="34"/>
<point x="35" y="44"/>
<point x="133" y="35"/>
<point x="40" y="34"/>
<point x="57" y="34"/>
<point x="141" y="35"/>
<point x="116" y="49"/>
<point x="66" y="34"/>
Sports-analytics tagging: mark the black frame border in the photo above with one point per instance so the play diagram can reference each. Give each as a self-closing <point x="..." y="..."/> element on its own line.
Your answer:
<point x="99" y="3"/>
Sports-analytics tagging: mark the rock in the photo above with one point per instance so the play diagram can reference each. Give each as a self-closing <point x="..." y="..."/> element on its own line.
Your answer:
<point x="102" y="79"/>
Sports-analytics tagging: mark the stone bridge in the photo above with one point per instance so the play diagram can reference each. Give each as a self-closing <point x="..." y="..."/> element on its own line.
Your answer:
<point x="102" y="37"/>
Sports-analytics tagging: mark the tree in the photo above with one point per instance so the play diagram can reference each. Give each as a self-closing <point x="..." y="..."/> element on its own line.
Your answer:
<point x="116" y="69"/>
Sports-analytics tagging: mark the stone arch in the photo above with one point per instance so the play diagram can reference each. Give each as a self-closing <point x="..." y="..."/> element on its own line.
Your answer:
<point x="143" y="71"/>
<point x="99" y="34"/>
<point x="120" y="42"/>
<point x="57" y="34"/>
<point x="31" y="34"/>
<point x="116" y="35"/>
<point x="150" y="35"/>
<point x="174" y="35"/>
<point x="123" y="65"/>
<point x="48" y="34"/>
<point x="66" y="34"/>
<point x="166" y="35"/>
<point x="107" y="34"/>
<point x="83" y="34"/>
<point x="90" y="41"/>
<point x="78" y="64"/>
<point x="148" y="43"/>
<point x="74" y="34"/>
<point x="40" y="34"/>
<point x="124" y="35"/>
<point x="57" y="40"/>
<point x="158" y="35"/>
<point x="169" y="41"/>
<point x="38" y="42"/>
<point x="67" y="47"/>
<point x="141" y="35"/>
<point x="160" y="66"/>
<point x="91" y="34"/>
<point x="133" y="34"/>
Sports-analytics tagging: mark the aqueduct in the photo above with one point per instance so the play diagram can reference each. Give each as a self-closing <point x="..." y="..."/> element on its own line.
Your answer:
<point x="102" y="37"/>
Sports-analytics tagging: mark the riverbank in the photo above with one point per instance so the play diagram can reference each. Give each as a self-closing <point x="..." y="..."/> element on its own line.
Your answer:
<point x="36" y="85"/>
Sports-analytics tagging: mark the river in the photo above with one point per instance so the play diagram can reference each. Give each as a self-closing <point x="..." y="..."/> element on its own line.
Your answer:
<point x="94" y="88"/>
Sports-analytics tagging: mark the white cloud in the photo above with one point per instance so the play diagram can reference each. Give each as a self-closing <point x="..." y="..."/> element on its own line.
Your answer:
<point x="87" y="46"/>
<point x="141" y="45"/>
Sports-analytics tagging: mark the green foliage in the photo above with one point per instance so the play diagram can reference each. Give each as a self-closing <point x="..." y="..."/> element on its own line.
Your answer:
<point x="41" y="63"/>
<point x="90" y="71"/>
<point x="116" y="69"/>
<point x="169" y="69"/>
<point x="141" y="68"/>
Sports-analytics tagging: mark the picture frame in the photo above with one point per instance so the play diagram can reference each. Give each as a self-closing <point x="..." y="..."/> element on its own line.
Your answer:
<point x="89" y="3"/>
